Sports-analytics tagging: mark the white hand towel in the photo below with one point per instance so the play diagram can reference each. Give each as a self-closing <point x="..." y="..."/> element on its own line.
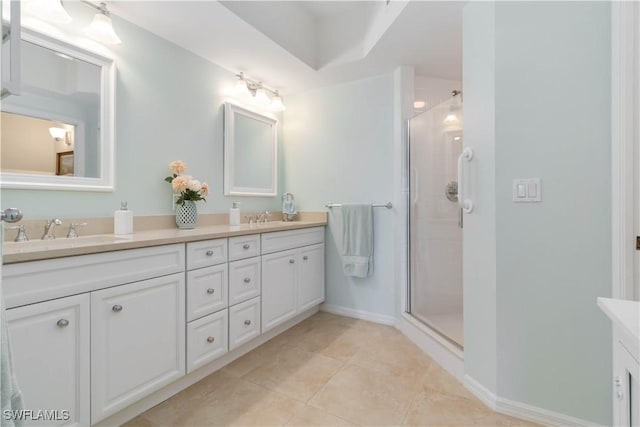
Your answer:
<point x="357" y="240"/>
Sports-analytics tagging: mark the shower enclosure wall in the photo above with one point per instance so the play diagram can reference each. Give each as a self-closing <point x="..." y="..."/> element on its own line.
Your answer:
<point x="435" y="220"/>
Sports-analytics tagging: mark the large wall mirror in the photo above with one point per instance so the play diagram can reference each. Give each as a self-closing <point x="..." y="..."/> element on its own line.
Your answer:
<point x="57" y="133"/>
<point x="250" y="153"/>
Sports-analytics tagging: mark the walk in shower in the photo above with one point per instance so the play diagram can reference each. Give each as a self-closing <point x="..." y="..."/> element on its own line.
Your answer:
<point x="435" y="219"/>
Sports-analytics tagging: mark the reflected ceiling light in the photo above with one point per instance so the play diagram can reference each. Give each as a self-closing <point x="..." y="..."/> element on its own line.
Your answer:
<point x="101" y="28"/>
<point x="451" y="119"/>
<point x="48" y="10"/>
<point x="59" y="134"/>
<point x="261" y="93"/>
<point x="419" y="105"/>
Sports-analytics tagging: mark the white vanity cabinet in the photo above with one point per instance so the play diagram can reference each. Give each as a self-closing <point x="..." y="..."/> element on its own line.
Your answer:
<point x="292" y="274"/>
<point x="51" y="351"/>
<point x="137" y="341"/>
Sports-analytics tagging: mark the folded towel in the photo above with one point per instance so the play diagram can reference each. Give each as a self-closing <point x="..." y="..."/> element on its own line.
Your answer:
<point x="357" y="240"/>
<point x="10" y="396"/>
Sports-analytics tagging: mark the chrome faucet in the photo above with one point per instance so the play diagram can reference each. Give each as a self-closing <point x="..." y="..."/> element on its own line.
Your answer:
<point x="48" y="228"/>
<point x="263" y="217"/>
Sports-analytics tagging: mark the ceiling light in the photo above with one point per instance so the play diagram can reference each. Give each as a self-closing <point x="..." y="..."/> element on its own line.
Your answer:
<point x="276" y="103"/>
<point x="101" y="28"/>
<point x="419" y="105"/>
<point x="262" y="95"/>
<point x="451" y="119"/>
<point x="48" y="10"/>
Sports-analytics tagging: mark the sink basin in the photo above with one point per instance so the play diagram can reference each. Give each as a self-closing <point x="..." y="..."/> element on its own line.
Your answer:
<point x="60" y="243"/>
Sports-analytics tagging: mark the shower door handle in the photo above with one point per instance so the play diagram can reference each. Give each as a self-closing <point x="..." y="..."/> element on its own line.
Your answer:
<point x="465" y="204"/>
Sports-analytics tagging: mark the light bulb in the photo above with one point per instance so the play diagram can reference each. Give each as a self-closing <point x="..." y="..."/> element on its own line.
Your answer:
<point x="276" y="103"/>
<point x="101" y="29"/>
<point x="451" y="119"/>
<point x="261" y="97"/>
<point x="241" y="87"/>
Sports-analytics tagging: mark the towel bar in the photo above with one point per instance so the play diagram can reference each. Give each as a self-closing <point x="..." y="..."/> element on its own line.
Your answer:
<point x="387" y="205"/>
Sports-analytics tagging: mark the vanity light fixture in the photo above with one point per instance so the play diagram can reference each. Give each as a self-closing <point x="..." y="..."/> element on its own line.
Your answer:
<point x="101" y="28"/>
<point x="262" y="94"/>
<point x="48" y="10"/>
<point x="59" y="134"/>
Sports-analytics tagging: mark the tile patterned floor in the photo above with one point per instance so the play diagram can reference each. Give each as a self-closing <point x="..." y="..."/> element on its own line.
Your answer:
<point x="328" y="371"/>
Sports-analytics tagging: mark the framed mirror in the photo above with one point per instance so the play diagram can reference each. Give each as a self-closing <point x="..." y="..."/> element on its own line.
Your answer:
<point x="250" y="152"/>
<point x="58" y="133"/>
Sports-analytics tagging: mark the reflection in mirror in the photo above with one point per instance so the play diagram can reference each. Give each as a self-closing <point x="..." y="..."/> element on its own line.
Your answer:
<point x="250" y="144"/>
<point x="58" y="133"/>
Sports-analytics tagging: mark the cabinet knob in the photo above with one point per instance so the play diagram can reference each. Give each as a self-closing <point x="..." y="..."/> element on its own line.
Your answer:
<point x="210" y="339"/>
<point x="247" y="322"/>
<point x="292" y="261"/>
<point x="62" y="323"/>
<point x="246" y="246"/>
<point x="305" y="257"/>
<point x="210" y="291"/>
<point x="117" y="308"/>
<point x="247" y="280"/>
<point x="209" y="253"/>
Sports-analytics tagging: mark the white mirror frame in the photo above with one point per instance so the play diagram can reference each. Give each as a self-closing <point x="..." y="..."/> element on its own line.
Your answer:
<point x="106" y="150"/>
<point x="230" y="188"/>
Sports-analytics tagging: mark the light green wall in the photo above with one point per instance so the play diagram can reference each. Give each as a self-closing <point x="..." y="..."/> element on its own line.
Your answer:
<point x="553" y="108"/>
<point x="542" y="80"/>
<point x="338" y="146"/>
<point x="168" y="107"/>
<point x="479" y="238"/>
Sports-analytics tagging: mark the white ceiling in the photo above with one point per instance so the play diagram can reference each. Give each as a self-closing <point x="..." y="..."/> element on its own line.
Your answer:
<point x="298" y="45"/>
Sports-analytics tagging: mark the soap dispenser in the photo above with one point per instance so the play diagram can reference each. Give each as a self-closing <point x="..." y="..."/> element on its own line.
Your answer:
<point x="123" y="221"/>
<point x="234" y="214"/>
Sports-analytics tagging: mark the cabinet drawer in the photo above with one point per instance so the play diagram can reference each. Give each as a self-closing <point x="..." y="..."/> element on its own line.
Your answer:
<point x="283" y="240"/>
<point x="244" y="280"/>
<point x="206" y="339"/>
<point x="206" y="291"/>
<point x="35" y="281"/>
<point x="241" y="247"/>
<point x="244" y="322"/>
<point x="206" y="253"/>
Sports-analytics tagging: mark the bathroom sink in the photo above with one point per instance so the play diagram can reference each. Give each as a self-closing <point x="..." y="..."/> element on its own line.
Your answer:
<point x="59" y="244"/>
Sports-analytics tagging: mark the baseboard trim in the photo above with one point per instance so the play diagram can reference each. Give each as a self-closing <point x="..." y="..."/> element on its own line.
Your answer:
<point x="358" y="314"/>
<point x="522" y="410"/>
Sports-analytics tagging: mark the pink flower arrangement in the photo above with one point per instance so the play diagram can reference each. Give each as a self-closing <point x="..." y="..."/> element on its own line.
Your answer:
<point x="188" y="187"/>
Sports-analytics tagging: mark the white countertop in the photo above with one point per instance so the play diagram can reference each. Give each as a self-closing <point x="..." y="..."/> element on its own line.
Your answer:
<point x="623" y="313"/>
<point x="45" y="249"/>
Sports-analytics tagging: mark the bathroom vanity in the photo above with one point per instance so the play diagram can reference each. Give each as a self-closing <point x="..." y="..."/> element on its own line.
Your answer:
<point x="108" y="330"/>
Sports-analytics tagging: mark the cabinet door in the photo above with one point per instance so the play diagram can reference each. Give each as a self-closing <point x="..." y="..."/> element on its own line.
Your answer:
<point x="311" y="276"/>
<point x="279" y="288"/>
<point x="206" y="291"/>
<point x="50" y="346"/>
<point x="137" y="341"/>
<point x="244" y="280"/>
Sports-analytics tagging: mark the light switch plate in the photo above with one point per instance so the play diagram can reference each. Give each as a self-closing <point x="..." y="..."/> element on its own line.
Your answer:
<point x="527" y="190"/>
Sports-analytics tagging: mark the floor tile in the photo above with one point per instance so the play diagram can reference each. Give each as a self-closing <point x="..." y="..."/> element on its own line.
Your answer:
<point x="365" y="396"/>
<point x="444" y="410"/>
<point x="309" y="416"/>
<point x="295" y="373"/>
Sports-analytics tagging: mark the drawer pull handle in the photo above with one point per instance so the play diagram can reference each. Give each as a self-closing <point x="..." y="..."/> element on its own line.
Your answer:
<point x="210" y="291"/>
<point x="247" y="280"/>
<point x="292" y="261"/>
<point x="209" y="253"/>
<point x="62" y="323"/>
<point x="117" y="308"/>
<point x="210" y="339"/>
<point x="305" y="258"/>
<point x="247" y="322"/>
<point x="246" y="246"/>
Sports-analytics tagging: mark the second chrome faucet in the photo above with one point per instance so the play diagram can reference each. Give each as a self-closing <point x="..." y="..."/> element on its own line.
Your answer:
<point x="48" y="228"/>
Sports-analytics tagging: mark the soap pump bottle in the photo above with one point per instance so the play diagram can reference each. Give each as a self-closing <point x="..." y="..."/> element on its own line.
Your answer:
<point x="234" y="214"/>
<point x="123" y="221"/>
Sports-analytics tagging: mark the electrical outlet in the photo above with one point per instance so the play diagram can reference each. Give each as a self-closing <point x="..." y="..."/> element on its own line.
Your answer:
<point x="174" y="199"/>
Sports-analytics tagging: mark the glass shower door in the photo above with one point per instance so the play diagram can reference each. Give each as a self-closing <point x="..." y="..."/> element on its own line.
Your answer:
<point x="435" y="220"/>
